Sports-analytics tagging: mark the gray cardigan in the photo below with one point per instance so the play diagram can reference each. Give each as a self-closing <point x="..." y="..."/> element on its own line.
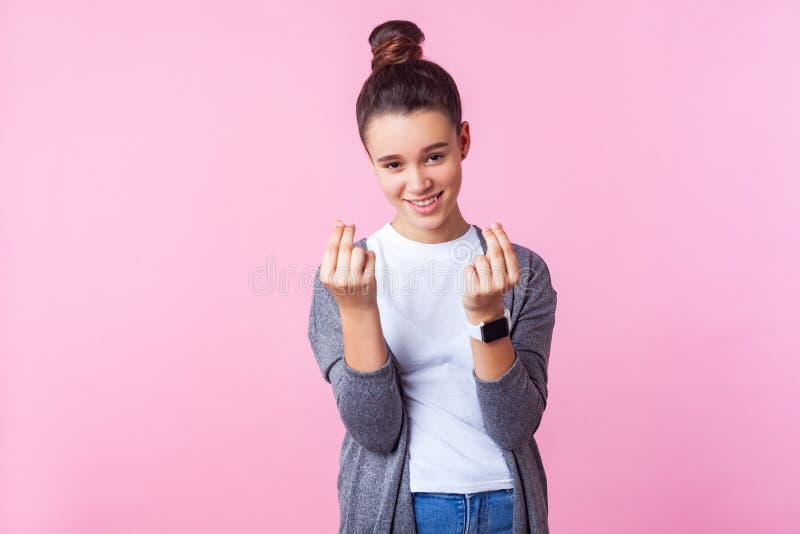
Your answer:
<point x="373" y="481"/>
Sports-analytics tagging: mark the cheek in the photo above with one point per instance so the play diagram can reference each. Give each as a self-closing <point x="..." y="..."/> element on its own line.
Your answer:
<point x="391" y="188"/>
<point x="450" y="176"/>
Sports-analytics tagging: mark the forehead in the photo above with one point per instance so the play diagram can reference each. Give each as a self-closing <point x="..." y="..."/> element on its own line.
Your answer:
<point x="407" y="133"/>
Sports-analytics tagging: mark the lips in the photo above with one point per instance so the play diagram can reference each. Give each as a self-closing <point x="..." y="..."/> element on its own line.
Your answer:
<point x="423" y="199"/>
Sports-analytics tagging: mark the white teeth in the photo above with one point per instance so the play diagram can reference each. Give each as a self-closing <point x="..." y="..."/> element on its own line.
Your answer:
<point x="426" y="202"/>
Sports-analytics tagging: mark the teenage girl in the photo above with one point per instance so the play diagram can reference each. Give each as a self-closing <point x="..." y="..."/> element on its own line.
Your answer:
<point x="435" y="334"/>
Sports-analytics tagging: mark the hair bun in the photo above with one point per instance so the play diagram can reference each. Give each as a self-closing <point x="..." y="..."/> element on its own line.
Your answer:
<point x="395" y="41"/>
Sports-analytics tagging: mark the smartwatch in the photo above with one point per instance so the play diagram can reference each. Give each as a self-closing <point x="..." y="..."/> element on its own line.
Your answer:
<point x="488" y="331"/>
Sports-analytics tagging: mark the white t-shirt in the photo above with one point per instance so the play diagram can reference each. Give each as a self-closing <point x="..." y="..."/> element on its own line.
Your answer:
<point x="420" y="287"/>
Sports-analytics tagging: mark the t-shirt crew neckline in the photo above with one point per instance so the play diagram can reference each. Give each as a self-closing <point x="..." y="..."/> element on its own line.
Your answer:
<point x="444" y="247"/>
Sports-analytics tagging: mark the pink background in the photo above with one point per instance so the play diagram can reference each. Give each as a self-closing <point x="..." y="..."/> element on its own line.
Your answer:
<point x="164" y="163"/>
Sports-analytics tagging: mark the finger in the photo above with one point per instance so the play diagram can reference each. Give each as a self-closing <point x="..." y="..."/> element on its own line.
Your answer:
<point x="369" y="268"/>
<point x="471" y="282"/>
<point x="328" y="263"/>
<point x="512" y="264"/>
<point x="484" y="270"/>
<point x="345" y="249"/>
<point x="497" y="260"/>
<point x="357" y="262"/>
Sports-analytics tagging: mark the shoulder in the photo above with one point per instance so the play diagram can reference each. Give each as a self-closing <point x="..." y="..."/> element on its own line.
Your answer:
<point x="525" y="253"/>
<point x="528" y="257"/>
<point x="534" y="271"/>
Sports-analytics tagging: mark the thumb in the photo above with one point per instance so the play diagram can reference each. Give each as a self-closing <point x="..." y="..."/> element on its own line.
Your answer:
<point x="471" y="279"/>
<point x="369" y="268"/>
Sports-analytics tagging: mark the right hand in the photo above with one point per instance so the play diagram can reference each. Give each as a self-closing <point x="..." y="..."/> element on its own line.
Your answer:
<point x="348" y="271"/>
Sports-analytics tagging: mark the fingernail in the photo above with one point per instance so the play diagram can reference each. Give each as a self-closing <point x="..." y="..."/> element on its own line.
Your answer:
<point x="493" y="226"/>
<point x="339" y="223"/>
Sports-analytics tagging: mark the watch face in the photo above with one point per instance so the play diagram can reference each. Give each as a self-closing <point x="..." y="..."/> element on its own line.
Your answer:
<point x="495" y="329"/>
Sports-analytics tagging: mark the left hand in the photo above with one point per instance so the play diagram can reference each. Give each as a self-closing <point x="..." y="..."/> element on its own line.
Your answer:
<point x="489" y="277"/>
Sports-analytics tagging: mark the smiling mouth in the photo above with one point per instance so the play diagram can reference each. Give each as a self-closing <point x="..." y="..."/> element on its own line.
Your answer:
<point x="434" y="197"/>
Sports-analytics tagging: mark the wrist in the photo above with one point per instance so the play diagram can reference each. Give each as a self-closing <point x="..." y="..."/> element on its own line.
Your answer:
<point x="486" y="315"/>
<point x="359" y="312"/>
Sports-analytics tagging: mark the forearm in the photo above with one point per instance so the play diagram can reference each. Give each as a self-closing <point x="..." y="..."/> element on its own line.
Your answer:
<point x="492" y="359"/>
<point x="511" y="404"/>
<point x="364" y="344"/>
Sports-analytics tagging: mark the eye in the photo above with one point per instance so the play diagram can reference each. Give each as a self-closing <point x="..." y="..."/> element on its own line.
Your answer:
<point x="389" y="165"/>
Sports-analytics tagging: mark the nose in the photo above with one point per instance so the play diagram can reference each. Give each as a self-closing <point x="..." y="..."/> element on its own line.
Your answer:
<point x="417" y="184"/>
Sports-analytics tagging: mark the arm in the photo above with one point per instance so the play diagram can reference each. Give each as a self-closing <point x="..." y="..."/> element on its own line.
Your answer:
<point x="513" y="404"/>
<point x="490" y="360"/>
<point x="365" y="348"/>
<point x="369" y="402"/>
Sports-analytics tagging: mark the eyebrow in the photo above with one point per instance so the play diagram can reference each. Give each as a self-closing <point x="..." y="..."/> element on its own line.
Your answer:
<point x="440" y="144"/>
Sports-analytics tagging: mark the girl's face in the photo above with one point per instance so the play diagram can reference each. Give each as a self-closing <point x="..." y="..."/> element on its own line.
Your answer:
<point x="418" y="156"/>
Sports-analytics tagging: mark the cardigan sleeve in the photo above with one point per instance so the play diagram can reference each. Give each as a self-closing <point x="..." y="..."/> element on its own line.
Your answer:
<point x="369" y="403"/>
<point x="513" y="404"/>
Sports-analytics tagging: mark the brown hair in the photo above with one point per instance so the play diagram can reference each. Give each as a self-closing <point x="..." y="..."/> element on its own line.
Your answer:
<point x="401" y="81"/>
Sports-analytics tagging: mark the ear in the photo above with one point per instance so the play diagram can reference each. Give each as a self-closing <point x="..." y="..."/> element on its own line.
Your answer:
<point x="464" y="139"/>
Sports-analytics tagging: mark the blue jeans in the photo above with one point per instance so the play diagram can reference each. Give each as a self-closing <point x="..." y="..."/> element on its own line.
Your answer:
<point x="464" y="513"/>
